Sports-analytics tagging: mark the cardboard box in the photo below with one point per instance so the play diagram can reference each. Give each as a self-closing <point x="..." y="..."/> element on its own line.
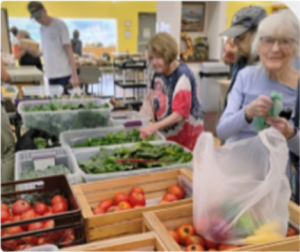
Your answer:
<point x="29" y="44"/>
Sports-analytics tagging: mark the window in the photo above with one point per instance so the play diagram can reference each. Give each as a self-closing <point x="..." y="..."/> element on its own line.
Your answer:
<point x="93" y="32"/>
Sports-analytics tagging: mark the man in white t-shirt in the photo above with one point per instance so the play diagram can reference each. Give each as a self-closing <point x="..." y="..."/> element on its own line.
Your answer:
<point x="59" y="63"/>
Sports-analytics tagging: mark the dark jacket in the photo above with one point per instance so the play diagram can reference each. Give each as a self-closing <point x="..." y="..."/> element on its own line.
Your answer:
<point x="76" y="46"/>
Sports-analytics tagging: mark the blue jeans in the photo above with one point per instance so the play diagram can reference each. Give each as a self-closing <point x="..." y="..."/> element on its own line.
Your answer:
<point x="63" y="81"/>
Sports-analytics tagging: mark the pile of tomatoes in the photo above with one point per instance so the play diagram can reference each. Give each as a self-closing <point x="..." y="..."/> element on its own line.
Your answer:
<point x="135" y="199"/>
<point x="186" y="235"/>
<point x="22" y="210"/>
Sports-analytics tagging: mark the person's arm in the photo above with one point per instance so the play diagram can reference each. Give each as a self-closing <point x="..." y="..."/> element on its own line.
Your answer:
<point x="64" y="36"/>
<point x="5" y="76"/>
<point x="181" y="107"/>
<point x="74" y="78"/>
<point x="233" y="119"/>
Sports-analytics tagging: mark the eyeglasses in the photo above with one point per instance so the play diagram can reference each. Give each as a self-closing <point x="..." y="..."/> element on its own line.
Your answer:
<point x="284" y="43"/>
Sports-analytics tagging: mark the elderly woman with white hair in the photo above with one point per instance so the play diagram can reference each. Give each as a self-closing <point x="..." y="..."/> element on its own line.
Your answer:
<point x="277" y="44"/>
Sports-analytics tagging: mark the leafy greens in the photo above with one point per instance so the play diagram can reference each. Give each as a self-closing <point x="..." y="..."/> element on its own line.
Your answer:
<point x="139" y="156"/>
<point x="29" y="173"/>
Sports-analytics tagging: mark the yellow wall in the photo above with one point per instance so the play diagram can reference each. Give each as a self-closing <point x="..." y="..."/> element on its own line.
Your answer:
<point x="234" y="6"/>
<point x="121" y="11"/>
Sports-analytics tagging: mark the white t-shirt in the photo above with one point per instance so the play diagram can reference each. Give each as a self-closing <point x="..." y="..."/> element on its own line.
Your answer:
<point x="56" y="61"/>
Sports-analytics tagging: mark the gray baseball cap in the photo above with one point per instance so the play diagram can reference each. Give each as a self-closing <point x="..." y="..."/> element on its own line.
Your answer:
<point x="35" y="9"/>
<point x="244" y="20"/>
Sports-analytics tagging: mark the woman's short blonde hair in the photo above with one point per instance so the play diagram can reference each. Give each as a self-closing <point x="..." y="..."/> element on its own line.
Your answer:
<point x="163" y="45"/>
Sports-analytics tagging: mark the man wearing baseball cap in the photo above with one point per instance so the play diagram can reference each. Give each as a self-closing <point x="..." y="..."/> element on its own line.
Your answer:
<point x="60" y="67"/>
<point x="242" y="30"/>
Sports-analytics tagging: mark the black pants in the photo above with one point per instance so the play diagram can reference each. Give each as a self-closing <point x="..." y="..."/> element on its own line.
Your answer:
<point x="63" y="81"/>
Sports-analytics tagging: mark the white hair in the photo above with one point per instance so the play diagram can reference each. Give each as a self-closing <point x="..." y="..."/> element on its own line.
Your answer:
<point x="283" y="23"/>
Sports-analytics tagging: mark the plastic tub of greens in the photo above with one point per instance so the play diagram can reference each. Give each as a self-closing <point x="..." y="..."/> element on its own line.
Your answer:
<point x="9" y="91"/>
<point x="54" y="90"/>
<point x="43" y="163"/>
<point x="126" y="118"/>
<point x="104" y="136"/>
<point x="130" y="159"/>
<point x="56" y="116"/>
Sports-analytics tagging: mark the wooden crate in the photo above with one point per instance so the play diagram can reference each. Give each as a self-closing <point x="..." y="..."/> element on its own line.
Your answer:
<point x="160" y="221"/>
<point x="140" y="242"/>
<point x="127" y="222"/>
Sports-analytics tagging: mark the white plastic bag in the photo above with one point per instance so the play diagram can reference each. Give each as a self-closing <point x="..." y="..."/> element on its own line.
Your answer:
<point x="240" y="190"/>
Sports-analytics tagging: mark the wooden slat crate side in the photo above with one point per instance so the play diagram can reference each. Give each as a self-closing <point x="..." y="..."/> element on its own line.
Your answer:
<point x="133" y="242"/>
<point x="85" y="208"/>
<point x="152" y="223"/>
<point x="127" y="215"/>
<point x="128" y="181"/>
<point x="294" y="210"/>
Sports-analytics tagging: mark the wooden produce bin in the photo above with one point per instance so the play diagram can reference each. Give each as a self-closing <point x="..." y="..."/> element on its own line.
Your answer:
<point x="111" y="225"/>
<point x="161" y="220"/>
<point x="140" y="242"/>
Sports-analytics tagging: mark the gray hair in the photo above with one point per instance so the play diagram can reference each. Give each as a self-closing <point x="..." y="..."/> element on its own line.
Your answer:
<point x="283" y="22"/>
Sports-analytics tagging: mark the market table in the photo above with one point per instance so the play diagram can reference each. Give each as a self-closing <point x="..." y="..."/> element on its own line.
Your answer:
<point x="26" y="74"/>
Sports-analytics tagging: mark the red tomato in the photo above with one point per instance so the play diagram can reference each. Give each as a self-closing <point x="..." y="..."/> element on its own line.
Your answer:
<point x="48" y="213"/>
<point x="50" y="209"/>
<point x="124" y="205"/>
<point x="49" y="224"/>
<point x="120" y="197"/>
<point x="4" y="207"/>
<point x="177" y="191"/>
<point x="210" y="244"/>
<point x="98" y="210"/>
<point x="40" y="241"/>
<point x="174" y="234"/>
<point x="30" y="239"/>
<point x="162" y="202"/>
<point x="212" y="250"/>
<point x="137" y="199"/>
<point x="35" y="226"/>
<point x="169" y="197"/>
<point x="24" y="246"/>
<point x="40" y="208"/>
<point x="4" y="216"/>
<point x="57" y="199"/>
<point x="223" y="247"/>
<point x="105" y="204"/>
<point x="51" y="236"/>
<point x="10" y="244"/>
<point x="14" y="230"/>
<point x="16" y="218"/>
<point x="184" y="231"/>
<point x="137" y="189"/>
<point x="69" y="240"/>
<point x="20" y="206"/>
<point x="291" y="232"/>
<point x="113" y="209"/>
<point x="30" y="214"/>
<point x="194" y="248"/>
<point x="60" y="207"/>
<point x="194" y="239"/>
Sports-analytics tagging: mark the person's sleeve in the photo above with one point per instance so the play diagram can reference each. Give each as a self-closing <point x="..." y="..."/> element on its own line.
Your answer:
<point x="182" y="98"/>
<point x="233" y="119"/>
<point x="64" y="34"/>
<point x="294" y="142"/>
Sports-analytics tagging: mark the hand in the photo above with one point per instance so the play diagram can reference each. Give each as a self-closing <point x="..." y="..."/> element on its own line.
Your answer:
<point x="259" y="107"/>
<point x="74" y="80"/>
<point x="147" y="131"/>
<point x="282" y="125"/>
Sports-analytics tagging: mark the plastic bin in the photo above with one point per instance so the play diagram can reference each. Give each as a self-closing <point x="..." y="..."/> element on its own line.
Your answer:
<point x="70" y="138"/>
<point x="127" y="118"/>
<point x="43" y="248"/>
<point x="11" y="95"/>
<point x="47" y="91"/>
<point x="62" y="155"/>
<point x="85" y="153"/>
<point x="55" y="122"/>
<point x="66" y="222"/>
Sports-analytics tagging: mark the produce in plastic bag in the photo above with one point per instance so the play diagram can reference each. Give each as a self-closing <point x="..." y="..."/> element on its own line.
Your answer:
<point x="241" y="191"/>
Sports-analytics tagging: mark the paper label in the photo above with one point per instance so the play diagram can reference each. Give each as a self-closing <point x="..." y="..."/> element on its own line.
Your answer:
<point x="42" y="164"/>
